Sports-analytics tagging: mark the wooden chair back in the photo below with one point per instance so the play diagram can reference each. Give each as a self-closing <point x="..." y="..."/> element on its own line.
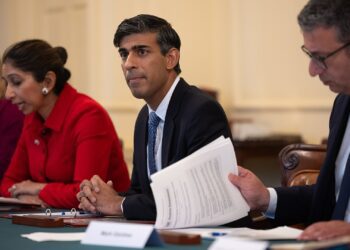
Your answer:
<point x="300" y="163"/>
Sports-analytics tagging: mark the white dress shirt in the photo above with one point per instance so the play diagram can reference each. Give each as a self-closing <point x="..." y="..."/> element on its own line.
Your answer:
<point x="161" y="113"/>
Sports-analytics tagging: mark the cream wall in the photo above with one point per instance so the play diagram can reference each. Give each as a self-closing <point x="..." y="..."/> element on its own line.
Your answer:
<point x="249" y="50"/>
<point x="270" y="74"/>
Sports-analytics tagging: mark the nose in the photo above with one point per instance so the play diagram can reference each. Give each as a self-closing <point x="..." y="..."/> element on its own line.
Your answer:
<point x="9" y="92"/>
<point x="314" y="68"/>
<point x="130" y="62"/>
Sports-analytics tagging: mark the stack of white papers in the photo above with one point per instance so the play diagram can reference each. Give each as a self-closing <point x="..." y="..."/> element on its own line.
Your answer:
<point x="195" y="191"/>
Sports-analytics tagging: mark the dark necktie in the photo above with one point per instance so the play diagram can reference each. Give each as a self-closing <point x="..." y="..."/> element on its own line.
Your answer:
<point x="153" y="121"/>
<point x="344" y="194"/>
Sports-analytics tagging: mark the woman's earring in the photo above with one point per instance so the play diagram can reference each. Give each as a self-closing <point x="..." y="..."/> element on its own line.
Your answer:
<point x="45" y="91"/>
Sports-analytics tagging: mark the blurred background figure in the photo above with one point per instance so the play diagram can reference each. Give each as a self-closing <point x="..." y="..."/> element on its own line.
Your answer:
<point x="11" y="122"/>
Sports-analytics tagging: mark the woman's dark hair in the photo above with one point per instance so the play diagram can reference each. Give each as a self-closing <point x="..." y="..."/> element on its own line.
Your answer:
<point x="167" y="37"/>
<point x="38" y="57"/>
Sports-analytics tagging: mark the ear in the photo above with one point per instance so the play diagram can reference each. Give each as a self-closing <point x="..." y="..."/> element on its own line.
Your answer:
<point x="172" y="58"/>
<point x="49" y="80"/>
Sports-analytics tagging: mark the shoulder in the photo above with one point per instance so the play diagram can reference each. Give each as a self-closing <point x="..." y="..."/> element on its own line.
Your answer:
<point x="11" y="118"/>
<point x="189" y="98"/>
<point x="84" y="104"/>
<point x="76" y="102"/>
<point x="340" y="106"/>
<point x="86" y="113"/>
<point x="341" y="99"/>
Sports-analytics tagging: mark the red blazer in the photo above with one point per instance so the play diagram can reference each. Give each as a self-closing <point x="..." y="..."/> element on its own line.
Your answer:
<point x="77" y="141"/>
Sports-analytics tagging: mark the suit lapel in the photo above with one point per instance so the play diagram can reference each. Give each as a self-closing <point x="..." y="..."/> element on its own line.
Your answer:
<point x="172" y="111"/>
<point x="341" y="115"/>
<point x="324" y="199"/>
<point x="141" y="142"/>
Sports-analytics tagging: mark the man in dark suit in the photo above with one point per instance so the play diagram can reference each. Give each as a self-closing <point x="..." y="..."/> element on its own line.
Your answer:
<point x="325" y="26"/>
<point x="184" y="119"/>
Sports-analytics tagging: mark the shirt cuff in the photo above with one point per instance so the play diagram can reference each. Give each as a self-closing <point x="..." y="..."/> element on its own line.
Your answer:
<point x="271" y="210"/>
<point x="121" y="205"/>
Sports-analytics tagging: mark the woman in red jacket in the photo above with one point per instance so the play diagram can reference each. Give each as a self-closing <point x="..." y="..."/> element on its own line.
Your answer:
<point x="67" y="137"/>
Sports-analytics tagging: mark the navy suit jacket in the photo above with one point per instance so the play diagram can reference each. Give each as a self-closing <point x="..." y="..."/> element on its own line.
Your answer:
<point x="193" y="119"/>
<point x="309" y="204"/>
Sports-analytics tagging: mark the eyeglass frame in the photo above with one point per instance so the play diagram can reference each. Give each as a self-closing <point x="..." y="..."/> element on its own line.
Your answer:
<point x="321" y="60"/>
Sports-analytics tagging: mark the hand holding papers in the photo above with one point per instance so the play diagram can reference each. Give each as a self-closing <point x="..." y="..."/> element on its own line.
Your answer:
<point x="195" y="191"/>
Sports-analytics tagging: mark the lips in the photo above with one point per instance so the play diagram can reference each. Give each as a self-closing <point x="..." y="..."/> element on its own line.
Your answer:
<point x="132" y="75"/>
<point x="134" y="81"/>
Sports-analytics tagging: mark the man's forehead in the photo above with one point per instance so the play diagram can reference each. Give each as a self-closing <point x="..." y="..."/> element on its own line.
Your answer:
<point x="321" y="39"/>
<point x="147" y="39"/>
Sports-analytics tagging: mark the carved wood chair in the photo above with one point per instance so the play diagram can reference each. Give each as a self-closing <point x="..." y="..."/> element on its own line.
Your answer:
<point x="300" y="163"/>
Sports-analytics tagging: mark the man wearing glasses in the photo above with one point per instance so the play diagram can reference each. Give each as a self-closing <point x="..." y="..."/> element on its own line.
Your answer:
<point x="325" y="26"/>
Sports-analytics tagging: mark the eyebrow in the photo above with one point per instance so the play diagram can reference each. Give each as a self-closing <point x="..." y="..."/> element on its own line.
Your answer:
<point x="10" y="75"/>
<point x="136" y="47"/>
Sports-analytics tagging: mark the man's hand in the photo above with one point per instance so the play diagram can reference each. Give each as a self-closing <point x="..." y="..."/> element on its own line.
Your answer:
<point x="252" y="189"/>
<point x="26" y="187"/>
<point x="326" y="230"/>
<point x="98" y="196"/>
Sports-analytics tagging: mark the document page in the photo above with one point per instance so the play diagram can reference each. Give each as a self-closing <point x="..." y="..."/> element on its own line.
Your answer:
<point x="14" y="201"/>
<point x="195" y="191"/>
<point x="278" y="233"/>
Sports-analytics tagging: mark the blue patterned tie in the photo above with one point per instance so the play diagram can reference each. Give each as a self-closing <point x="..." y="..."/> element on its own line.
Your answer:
<point x="344" y="193"/>
<point x="153" y="121"/>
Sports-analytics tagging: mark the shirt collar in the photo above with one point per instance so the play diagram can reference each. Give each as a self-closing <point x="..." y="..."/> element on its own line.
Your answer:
<point x="163" y="106"/>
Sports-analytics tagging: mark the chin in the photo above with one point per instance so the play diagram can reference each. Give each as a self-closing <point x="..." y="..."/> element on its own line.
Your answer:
<point x="27" y="111"/>
<point x="333" y="90"/>
<point x="137" y="95"/>
<point x="336" y="90"/>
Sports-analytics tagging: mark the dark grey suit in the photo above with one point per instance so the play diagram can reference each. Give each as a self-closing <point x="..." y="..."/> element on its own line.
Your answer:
<point x="193" y="120"/>
<point x="314" y="203"/>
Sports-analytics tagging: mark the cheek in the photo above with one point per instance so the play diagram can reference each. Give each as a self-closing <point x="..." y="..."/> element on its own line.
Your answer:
<point x="31" y="95"/>
<point x="122" y="67"/>
<point x="342" y="77"/>
<point x="341" y="71"/>
<point x="157" y="69"/>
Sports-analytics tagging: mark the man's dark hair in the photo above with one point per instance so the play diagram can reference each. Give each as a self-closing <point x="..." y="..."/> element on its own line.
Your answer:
<point x="167" y="37"/>
<point x="327" y="13"/>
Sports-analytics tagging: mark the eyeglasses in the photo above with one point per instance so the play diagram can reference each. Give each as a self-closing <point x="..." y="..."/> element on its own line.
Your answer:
<point x="321" y="60"/>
